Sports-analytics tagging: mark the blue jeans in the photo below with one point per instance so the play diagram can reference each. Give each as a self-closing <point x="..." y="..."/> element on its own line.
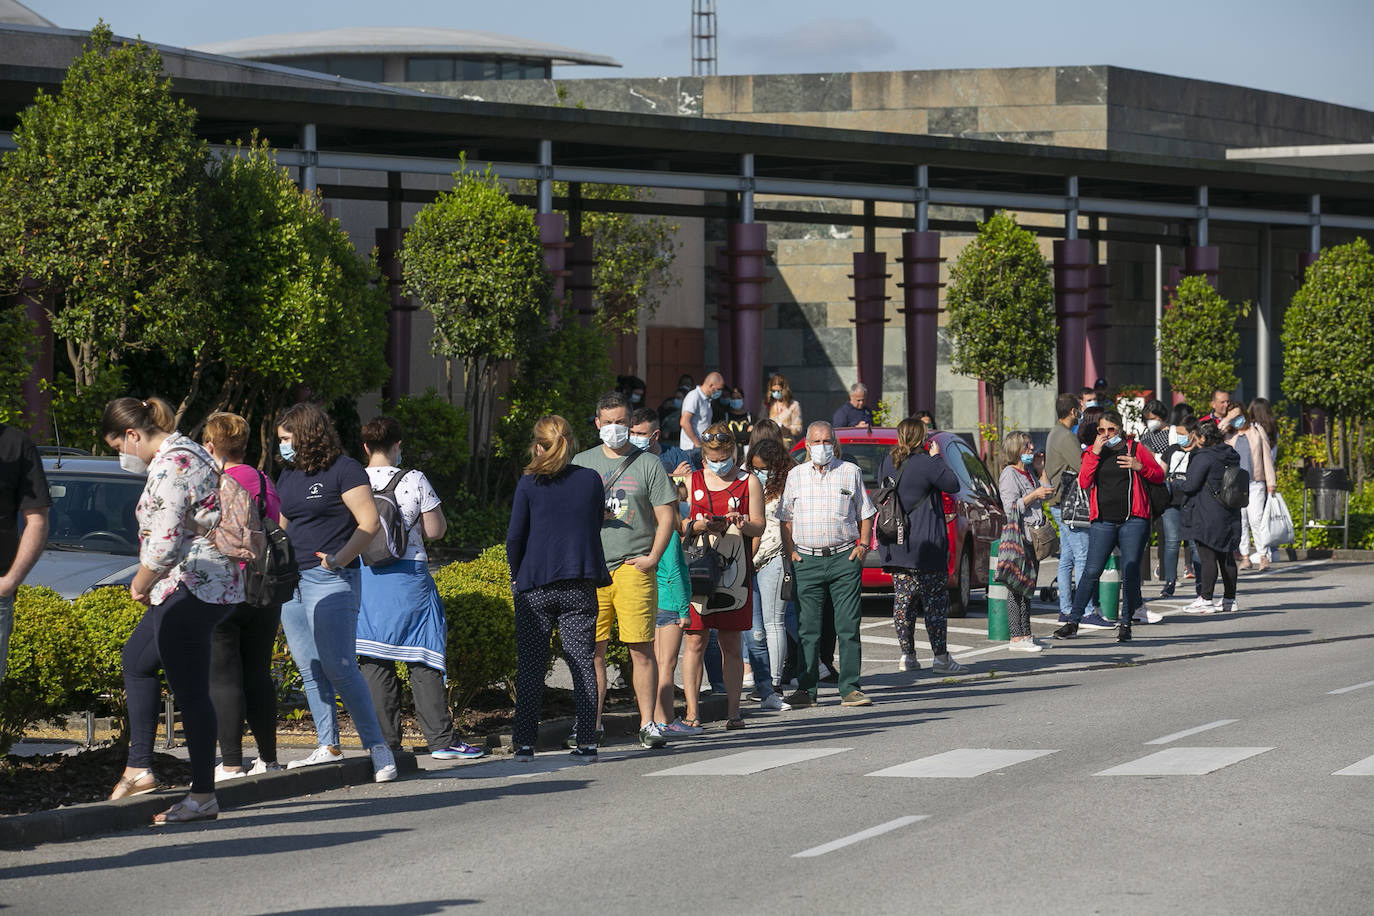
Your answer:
<point x="715" y="668"/>
<point x="1103" y="537"/>
<point x="321" y="626"/>
<point x="1073" y="556"/>
<point x="770" y="615"/>
<point x="6" y="627"/>
<point x="1172" y="524"/>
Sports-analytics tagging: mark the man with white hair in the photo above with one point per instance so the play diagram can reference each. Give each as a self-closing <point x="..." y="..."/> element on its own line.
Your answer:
<point x="826" y="519"/>
<point x="854" y="412"/>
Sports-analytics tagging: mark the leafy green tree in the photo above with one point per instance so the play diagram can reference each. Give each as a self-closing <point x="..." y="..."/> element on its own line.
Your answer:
<point x="474" y="260"/>
<point x="1198" y="341"/>
<point x="18" y="347"/>
<point x="100" y="204"/>
<point x="1001" y="312"/>
<point x="1328" y="347"/>
<point x="435" y="435"/>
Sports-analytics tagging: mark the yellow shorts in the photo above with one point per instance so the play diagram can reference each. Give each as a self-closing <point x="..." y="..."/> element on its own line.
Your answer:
<point x="631" y="599"/>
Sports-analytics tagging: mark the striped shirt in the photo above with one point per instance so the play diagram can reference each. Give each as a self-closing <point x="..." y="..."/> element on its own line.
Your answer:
<point x="825" y="509"/>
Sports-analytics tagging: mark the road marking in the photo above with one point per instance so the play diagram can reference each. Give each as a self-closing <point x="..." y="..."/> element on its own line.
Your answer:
<point x="1364" y="768"/>
<point x="1350" y="688"/>
<point x="874" y="624"/>
<point x="982" y="632"/>
<point x="1184" y="761"/>
<point x="894" y="641"/>
<point x="964" y="763"/>
<point x="1192" y="731"/>
<point x="976" y="652"/>
<point x="859" y="837"/>
<point x="747" y="762"/>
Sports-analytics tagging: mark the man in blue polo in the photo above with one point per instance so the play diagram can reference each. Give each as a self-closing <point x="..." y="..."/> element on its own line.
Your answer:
<point x="826" y="519"/>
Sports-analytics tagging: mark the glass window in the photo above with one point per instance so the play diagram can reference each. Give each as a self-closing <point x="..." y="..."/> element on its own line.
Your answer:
<point x="429" y="69"/>
<point x="479" y="69"/>
<point x="93" y="512"/>
<point x="367" y="68"/>
<point x="318" y="64"/>
<point x="523" y="70"/>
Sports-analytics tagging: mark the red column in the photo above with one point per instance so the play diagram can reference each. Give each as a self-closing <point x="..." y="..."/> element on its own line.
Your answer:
<point x="748" y="243"/>
<point x="1202" y="261"/>
<point x="36" y="400"/>
<point x="1099" y="320"/>
<point x="1072" y="265"/>
<point x="726" y="362"/>
<point x="921" y="294"/>
<point x="870" y="310"/>
<point x="580" y="259"/>
<point x="398" y="315"/>
<point x="552" y="236"/>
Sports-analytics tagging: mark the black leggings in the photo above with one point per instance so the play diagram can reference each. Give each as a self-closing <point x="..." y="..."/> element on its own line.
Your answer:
<point x="173" y="636"/>
<point x="241" y="681"/>
<point x="571" y="605"/>
<point x="1213" y="560"/>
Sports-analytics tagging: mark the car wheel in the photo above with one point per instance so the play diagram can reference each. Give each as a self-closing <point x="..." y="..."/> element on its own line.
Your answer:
<point x="962" y="594"/>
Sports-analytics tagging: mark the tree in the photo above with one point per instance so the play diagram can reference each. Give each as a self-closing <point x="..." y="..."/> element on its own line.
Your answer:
<point x="1001" y="311"/>
<point x="474" y="260"/>
<point x="100" y="205"/>
<point x="1328" y="346"/>
<point x="1198" y="341"/>
<point x="18" y="348"/>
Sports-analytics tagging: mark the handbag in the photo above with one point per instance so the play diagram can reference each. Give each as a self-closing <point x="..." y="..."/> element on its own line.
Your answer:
<point x="1074" y="507"/>
<point x="1016" y="565"/>
<point x="788" y="590"/>
<point x="703" y="566"/>
<point x="1277" y="522"/>
<point x="1044" y="539"/>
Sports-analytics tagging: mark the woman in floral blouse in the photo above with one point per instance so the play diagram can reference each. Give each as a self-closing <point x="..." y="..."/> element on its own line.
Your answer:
<point x="188" y="586"/>
<point x="783" y="409"/>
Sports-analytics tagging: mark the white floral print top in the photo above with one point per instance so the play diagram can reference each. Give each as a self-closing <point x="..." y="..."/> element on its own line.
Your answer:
<point x="180" y="504"/>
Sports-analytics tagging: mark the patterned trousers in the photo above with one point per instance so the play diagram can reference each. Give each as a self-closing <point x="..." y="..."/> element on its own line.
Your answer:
<point x="929" y="589"/>
<point x="571" y="606"/>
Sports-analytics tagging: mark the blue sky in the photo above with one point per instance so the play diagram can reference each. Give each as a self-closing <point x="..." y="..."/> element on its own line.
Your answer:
<point x="1317" y="49"/>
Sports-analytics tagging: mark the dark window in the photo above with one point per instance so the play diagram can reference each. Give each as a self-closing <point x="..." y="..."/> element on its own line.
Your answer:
<point x="523" y="70"/>
<point x="367" y="68"/>
<point x="479" y="69"/>
<point x="429" y="69"/>
<point x="318" y="64"/>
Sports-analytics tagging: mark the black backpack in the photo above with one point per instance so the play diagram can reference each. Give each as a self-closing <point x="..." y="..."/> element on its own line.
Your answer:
<point x="389" y="543"/>
<point x="1234" y="492"/>
<point x="270" y="579"/>
<point x="891" y="522"/>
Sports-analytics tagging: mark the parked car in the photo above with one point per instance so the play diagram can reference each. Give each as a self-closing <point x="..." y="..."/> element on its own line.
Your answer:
<point x="973" y="515"/>
<point x="92" y="533"/>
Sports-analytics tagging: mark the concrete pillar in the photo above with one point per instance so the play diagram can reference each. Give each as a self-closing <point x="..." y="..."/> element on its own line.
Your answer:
<point x="726" y="362"/>
<point x="37" y="401"/>
<point x="748" y="244"/>
<point x="579" y="260"/>
<point x="399" y="311"/>
<point x="870" y="309"/>
<point x="1264" y="314"/>
<point x="553" y="237"/>
<point x="1072" y="263"/>
<point x="1098" y="322"/>
<point x="921" y="294"/>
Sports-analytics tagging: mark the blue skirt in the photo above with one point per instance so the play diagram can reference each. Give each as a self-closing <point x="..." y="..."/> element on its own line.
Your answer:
<point x="402" y="615"/>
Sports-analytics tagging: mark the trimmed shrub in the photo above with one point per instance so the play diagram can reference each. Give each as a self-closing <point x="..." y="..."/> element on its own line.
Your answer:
<point x="109" y="616"/>
<point x="480" y="616"/>
<point x="49" y="662"/>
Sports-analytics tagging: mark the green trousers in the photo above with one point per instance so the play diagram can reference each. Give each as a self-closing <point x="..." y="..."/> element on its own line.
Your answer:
<point x="840" y="578"/>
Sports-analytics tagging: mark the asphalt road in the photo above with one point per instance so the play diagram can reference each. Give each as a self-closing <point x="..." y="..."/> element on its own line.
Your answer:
<point x="1217" y="765"/>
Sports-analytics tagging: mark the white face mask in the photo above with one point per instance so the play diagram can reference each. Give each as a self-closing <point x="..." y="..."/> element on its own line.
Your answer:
<point x="132" y="463"/>
<point x="615" y="435"/>
<point x="821" y="454"/>
<point x="1153" y="425"/>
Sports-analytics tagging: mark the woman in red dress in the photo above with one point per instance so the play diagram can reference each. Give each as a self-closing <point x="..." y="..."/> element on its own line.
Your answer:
<point x="724" y="499"/>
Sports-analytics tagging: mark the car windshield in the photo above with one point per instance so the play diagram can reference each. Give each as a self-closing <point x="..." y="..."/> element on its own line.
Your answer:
<point x="93" y="512"/>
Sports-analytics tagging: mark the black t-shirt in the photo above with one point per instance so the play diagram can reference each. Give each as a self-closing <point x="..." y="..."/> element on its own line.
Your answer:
<point x="1113" y="486"/>
<point x="317" y="519"/>
<point x="23" y="485"/>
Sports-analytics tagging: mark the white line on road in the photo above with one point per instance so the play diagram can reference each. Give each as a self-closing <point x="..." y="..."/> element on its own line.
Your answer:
<point x="976" y="652"/>
<point x="1364" y="768"/>
<point x="859" y="837"/>
<point x="1184" y="761"/>
<point x="893" y="641"/>
<point x="1350" y="688"/>
<point x="964" y="763"/>
<point x="1192" y="731"/>
<point x="747" y="762"/>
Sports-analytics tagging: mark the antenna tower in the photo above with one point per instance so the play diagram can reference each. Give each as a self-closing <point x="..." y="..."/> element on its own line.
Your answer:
<point x="703" y="37"/>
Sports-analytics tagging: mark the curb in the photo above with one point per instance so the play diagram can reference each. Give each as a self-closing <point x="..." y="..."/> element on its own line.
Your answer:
<point x="26" y="830"/>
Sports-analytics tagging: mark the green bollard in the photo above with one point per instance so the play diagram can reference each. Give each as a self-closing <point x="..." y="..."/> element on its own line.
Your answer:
<point x="998" y="626"/>
<point x="1109" y="590"/>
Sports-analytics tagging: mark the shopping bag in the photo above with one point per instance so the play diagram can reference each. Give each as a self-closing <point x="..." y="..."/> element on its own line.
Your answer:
<point x="1277" y="522"/>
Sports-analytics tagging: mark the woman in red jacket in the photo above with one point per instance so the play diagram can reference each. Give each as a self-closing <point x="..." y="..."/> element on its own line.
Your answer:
<point x="1114" y="473"/>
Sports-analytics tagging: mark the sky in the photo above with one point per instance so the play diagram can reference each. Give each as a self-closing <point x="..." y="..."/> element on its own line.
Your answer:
<point x="1317" y="49"/>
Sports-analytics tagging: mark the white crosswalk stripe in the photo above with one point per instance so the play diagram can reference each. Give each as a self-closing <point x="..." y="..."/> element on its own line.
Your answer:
<point x="747" y="762"/>
<point x="1364" y="768"/>
<point x="1184" y="761"/>
<point x="963" y="763"/>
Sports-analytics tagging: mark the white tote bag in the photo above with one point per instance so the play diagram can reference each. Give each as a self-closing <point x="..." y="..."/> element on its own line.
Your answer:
<point x="1277" y="523"/>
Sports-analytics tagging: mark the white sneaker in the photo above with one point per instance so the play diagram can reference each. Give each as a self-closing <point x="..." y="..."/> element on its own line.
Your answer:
<point x="944" y="664"/>
<point x="775" y="702"/>
<point x="1143" y="614"/>
<point x="383" y="763"/>
<point x="748" y="679"/>
<point x="1229" y="605"/>
<point x="261" y="766"/>
<point x="908" y="663"/>
<point x="321" y="754"/>
<point x="221" y="774"/>
<point x="1025" y="645"/>
<point x="1202" y="605"/>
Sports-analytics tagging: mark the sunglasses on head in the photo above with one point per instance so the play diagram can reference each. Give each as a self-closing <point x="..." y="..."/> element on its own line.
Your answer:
<point x="718" y="438"/>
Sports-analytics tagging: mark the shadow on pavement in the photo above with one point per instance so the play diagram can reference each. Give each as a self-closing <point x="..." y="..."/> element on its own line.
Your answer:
<point x="398" y="909"/>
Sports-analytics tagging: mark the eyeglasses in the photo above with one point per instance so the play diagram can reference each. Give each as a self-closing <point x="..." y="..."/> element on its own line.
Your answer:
<point x="719" y="438"/>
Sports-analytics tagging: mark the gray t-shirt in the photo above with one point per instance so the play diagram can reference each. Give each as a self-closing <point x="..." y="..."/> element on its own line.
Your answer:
<point x="698" y="406"/>
<point x="630" y="525"/>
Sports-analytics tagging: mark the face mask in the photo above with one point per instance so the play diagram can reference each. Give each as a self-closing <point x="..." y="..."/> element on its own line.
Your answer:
<point x="1089" y="404"/>
<point x="396" y="462"/>
<point x="1238" y="422"/>
<point x="615" y="435"/>
<point x="1027" y="459"/>
<point x="1113" y="442"/>
<point x="737" y="404"/>
<point x="1180" y="439"/>
<point x="762" y="475"/>
<point x="821" y="454"/>
<point x="777" y="395"/>
<point x="1074" y="429"/>
<point x="1153" y="425"/>
<point x="636" y="398"/>
<point x="132" y="463"/>
<point x="715" y="395"/>
<point x="720" y="468"/>
<point x="287" y="451"/>
<point x="639" y="441"/>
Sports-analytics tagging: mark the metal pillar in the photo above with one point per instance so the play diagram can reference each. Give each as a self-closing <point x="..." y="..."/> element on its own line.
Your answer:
<point x="1314" y="215"/>
<point x="1072" y="261"/>
<point x="921" y="293"/>
<point x="1159" y="317"/>
<point x="1098" y="321"/>
<point x="726" y="361"/>
<point x="1071" y="214"/>
<point x="309" y="181"/>
<point x="1264" y="314"/>
<point x="545" y="180"/>
<point x="1202" y="216"/>
<point x="746" y="197"/>
<point x="870" y="310"/>
<point x="748" y="274"/>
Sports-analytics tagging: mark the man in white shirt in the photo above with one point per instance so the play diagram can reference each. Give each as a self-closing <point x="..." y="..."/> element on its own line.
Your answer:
<point x="696" y="411"/>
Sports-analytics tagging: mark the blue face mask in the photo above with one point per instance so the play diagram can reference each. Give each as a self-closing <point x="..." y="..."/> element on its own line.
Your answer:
<point x="720" y="468"/>
<point x="1027" y="459"/>
<point x="1113" y="442"/>
<point x="777" y="395"/>
<point x="287" y="451"/>
<point x="736" y="403"/>
<point x="715" y="395"/>
<point x="1180" y="439"/>
<point x="762" y="476"/>
<point x="1238" y="422"/>
<point x="1074" y="429"/>
<point x="639" y="441"/>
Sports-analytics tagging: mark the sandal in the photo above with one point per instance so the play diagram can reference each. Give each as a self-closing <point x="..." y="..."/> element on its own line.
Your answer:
<point x="734" y="724"/>
<point x="692" y="723"/>
<point x="188" y="810"/>
<point x="134" y="785"/>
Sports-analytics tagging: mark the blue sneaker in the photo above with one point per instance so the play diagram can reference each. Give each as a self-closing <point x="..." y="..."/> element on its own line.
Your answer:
<point x="1096" y="622"/>
<point x="1065" y="618"/>
<point x="459" y="751"/>
<point x="680" y="729"/>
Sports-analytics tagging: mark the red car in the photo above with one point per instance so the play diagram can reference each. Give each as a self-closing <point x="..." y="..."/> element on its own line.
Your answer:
<point x="973" y="515"/>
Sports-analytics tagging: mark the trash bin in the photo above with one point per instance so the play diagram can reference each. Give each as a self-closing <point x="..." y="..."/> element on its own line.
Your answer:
<point x="1328" y="486"/>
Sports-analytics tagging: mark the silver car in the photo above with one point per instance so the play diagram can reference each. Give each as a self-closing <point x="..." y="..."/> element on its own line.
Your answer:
<point x="92" y="534"/>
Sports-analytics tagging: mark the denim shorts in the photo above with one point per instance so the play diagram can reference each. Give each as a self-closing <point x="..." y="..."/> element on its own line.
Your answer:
<point x="666" y="618"/>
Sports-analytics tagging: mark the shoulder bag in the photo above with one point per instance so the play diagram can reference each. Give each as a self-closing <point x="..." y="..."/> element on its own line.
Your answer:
<point x="1016" y="564"/>
<point x="1074" y="507"/>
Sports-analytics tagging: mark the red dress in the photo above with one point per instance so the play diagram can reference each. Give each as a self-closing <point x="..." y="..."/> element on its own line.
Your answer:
<point x="704" y="503"/>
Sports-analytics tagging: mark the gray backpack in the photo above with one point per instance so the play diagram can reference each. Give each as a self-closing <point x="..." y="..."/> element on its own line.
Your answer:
<point x="390" y="542"/>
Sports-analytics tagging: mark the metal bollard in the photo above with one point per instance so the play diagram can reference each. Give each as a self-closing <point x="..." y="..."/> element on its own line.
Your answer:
<point x="998" y="626"/>
<point x="171" y="713"/>
<point x="1109" y="589"/>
